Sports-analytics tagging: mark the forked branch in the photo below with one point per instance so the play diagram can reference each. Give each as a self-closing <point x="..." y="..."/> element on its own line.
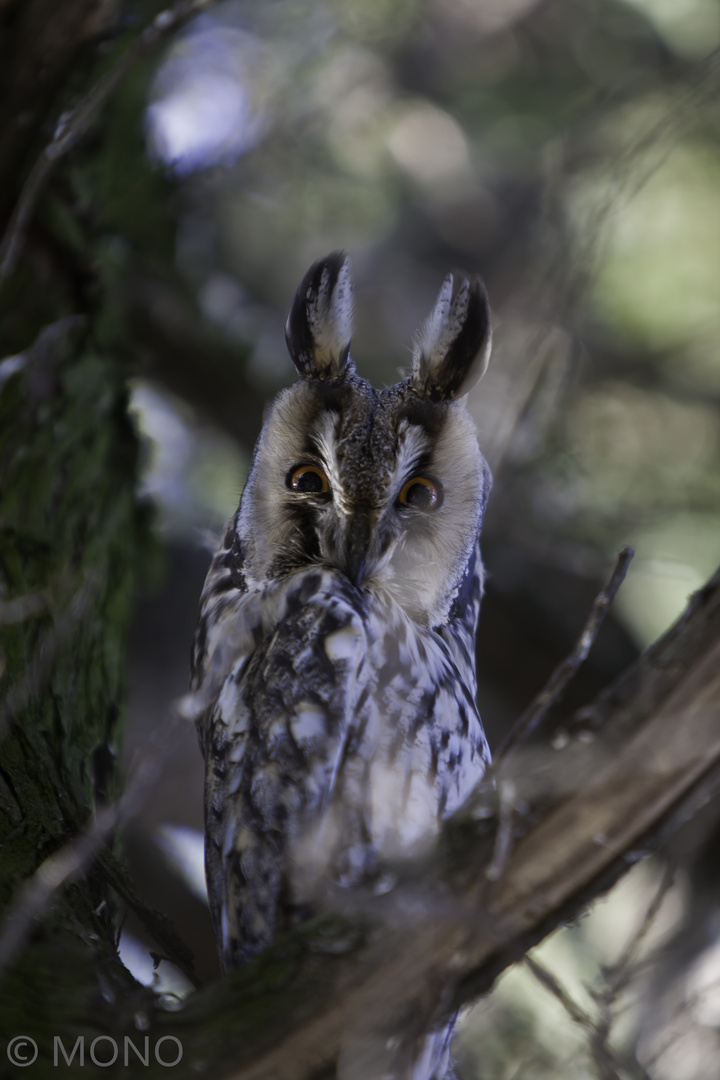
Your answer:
<point x="347" y="984"/>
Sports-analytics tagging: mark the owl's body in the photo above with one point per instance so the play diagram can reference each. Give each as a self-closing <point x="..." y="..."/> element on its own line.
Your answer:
<point x="334" y="662"/>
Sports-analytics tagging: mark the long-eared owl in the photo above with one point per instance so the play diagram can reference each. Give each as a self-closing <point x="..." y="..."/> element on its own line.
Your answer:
<point x="334" y="659"/>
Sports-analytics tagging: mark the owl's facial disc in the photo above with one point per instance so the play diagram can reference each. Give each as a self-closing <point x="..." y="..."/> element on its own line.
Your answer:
<point x="386" y="486"/>
<point x="360" y="531"/>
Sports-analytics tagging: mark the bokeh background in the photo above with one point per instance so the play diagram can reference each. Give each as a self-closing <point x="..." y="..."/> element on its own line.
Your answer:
<point x="569" y="151"/>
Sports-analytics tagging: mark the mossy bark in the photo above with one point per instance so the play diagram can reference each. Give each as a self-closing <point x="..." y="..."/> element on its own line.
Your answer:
<point x="70" y="536"/>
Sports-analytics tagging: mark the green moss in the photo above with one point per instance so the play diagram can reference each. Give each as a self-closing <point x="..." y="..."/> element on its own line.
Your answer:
<point x="69" y="530"/>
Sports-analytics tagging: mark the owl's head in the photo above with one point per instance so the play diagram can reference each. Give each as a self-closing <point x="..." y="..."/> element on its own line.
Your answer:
<point x="386" y="486"/>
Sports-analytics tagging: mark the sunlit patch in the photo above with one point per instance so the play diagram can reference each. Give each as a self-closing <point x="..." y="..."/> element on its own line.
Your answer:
<point x="190" y="470"/>
<point x="658" y="283"/>
<point x="164" y="977"/>
<point x="184" y="848"/>
<point x="429" y="144"/>
<point x="403" y="817"/>
<point x="485" y="16"/>
<point x="205" y="110"/>
<point x="689" y="27"/>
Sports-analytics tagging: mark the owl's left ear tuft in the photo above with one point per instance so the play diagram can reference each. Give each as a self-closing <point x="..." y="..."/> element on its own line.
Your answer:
<point x="452" y="349"/>
<point x="319" y="326"/>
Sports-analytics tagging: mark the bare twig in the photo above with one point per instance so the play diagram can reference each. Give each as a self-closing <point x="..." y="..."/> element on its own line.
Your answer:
<point x="619" y="975"/>
<point x="44" y="349"/>
<point x="504" y="835"/>
<point x="74" y="859"/>
<point x="680" y="1023"/>
<point x="610" y="1065"/>
<point x="616" y="979"/>
<point x="564" y="672"/>
<point x="546" y="978"/>
<point x="74" y="125"/>
<point x="158" y="925"/>
<point x="569" y="282"/>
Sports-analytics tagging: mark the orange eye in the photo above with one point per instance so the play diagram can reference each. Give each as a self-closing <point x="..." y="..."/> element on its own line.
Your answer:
<point x="308" y="480"/>
<point x="421" y="494"/>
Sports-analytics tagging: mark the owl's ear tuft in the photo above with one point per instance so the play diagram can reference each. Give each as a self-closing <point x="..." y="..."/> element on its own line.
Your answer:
<point x="452" y="349"/>
<point x="319" y="326"/>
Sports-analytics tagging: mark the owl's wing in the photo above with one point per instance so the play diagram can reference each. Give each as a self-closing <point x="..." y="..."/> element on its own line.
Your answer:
<point x="275" y="741"/>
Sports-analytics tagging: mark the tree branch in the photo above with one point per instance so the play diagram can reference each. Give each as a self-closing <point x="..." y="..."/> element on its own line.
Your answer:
<point x="360" y="981"/>
<point x="72" y="126"/>
<point x="564" y="672"/>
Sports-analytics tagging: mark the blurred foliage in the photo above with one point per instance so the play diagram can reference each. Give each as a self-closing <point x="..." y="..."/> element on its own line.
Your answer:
<point x="567" y="150"/>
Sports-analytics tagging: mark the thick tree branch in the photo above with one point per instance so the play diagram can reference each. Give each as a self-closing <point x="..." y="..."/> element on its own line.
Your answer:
<point x="360" y="982"/>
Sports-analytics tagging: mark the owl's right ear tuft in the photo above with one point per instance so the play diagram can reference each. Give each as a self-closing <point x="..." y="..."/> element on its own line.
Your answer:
<point x="319" y="326"/>
<point x="452" y="349"/>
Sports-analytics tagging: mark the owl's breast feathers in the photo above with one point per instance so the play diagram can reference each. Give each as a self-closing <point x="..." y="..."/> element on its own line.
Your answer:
<point x="337" y="733"/>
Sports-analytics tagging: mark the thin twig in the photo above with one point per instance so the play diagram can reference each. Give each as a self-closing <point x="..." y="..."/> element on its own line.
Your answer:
<point x="73" y="860"/>
<point x="618" y="976"/>
<point x="616" y="979"/>
<point x="610" y="1064"/>
<point x="681" y="1021"/>
<point x="504" y="836"/>
<point x="44" y="350"/>
<point x="72" y="126"/>
<point x="158" y="925"/>
<point x="546" y="978"/>
<point x="564" y="672"/>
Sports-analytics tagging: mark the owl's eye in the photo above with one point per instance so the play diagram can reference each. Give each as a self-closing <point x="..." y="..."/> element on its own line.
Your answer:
<point x="308" y="479"/>
<point x="421" y="493"/>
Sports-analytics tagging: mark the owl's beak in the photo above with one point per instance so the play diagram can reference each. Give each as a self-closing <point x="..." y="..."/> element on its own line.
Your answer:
<point x="358" y="539"/>
<point x="356" y="568"/>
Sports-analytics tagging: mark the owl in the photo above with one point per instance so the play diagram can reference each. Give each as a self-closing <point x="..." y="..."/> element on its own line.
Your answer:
<point x="334" y="659"/>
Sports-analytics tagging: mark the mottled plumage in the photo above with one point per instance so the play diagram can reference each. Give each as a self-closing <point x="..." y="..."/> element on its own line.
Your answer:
<point x="334" y="660"/>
